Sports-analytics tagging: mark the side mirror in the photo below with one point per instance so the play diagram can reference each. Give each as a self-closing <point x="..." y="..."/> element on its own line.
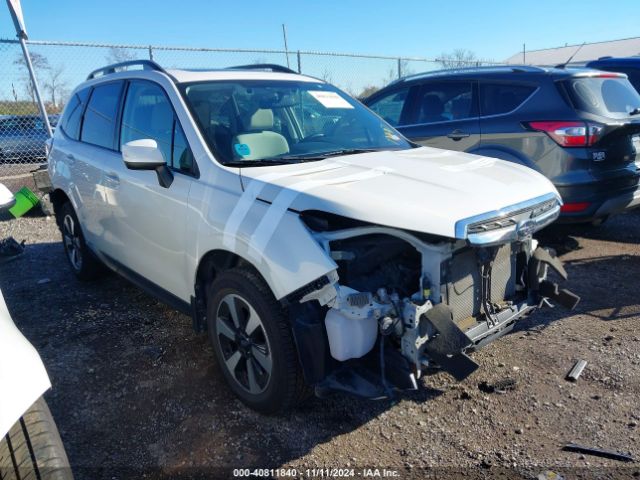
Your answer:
<point x="7" y="200"/>
<point x="144" y="154"/>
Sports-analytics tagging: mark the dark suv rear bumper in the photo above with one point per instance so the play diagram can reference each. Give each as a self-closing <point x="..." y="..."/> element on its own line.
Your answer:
<point x="605" y="196"/>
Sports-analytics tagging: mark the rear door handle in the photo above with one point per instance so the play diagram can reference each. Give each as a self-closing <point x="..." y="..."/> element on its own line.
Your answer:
<point x="458" y="135"/>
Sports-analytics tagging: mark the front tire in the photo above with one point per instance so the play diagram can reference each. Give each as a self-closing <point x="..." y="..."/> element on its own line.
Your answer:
<point x="82" y="260"/>
<point x="250" y="334"/>
<point x="33" y="449"/>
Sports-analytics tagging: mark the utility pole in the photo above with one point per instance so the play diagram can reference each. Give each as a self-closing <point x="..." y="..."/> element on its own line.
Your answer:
<point x="524" y="53"/>
<point x="286" y="48"/>
<point x="21" y="32"/>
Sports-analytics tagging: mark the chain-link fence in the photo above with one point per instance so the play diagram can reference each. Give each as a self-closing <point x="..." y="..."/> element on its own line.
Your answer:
<point x="60" y="66"/>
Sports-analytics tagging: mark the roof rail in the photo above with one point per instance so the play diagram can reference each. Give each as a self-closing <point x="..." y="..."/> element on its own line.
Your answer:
<point x="146" y="65"/>
<point x="470" y="69"/>
<point x="264" y="66"/>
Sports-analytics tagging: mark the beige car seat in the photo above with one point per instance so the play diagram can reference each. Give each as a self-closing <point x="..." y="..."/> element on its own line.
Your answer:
<point x="259" y="140"/>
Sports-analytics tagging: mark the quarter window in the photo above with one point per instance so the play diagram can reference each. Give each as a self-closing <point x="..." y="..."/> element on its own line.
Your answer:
<point x="390" y="106"/>
<point x="71" y="121"/>
<point x="496" y="99"/>
<point x="445" y="101"/>
<point x="182" y="158"/>
<point x="98" y="126"/>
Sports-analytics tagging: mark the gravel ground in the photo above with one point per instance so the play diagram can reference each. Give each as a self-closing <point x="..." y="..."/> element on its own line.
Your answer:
<point x="136" y="393"/>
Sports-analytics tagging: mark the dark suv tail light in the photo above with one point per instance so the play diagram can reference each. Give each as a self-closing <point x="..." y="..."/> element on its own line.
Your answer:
<point x="569" y="134"/>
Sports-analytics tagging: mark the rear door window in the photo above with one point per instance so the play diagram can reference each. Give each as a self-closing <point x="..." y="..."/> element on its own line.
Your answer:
<point x="445" y="102"/>
<point x="609" y="97"/>
<point x="390" y="106"/>
<point x="98" y="125"/>
<point x="496" y="99"/>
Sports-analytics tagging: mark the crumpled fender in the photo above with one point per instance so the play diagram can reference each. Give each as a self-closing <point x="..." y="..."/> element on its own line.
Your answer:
<point x="23" y="378"/>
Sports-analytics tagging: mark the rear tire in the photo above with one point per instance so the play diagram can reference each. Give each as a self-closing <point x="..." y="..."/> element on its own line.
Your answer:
<point x="32" y="449"/>
<point x="83" y="262"/>
<point x="251" y="337"/>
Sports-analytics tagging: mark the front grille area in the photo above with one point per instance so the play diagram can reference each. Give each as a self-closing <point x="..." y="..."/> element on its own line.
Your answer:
<point x="512" y="219"/>
<point x="461" y="281"/>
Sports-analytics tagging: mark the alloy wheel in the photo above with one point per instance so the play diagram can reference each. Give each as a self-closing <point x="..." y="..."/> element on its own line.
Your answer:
<point x="72" y="244"/>
<point x="244" y="344"/>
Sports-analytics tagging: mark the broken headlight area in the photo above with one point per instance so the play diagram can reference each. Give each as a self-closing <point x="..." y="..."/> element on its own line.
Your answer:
<point x="398" y="304"/>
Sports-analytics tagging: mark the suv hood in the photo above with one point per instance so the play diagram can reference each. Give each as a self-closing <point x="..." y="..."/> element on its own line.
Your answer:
<point x="424" y="189"/>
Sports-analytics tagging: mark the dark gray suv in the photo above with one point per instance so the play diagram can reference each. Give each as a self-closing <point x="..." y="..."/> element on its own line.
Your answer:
<point x="579" y="127"/>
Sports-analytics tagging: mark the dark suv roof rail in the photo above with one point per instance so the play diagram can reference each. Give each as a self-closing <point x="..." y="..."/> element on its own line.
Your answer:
<point x="274" y="67"/>
<point x="146" y="65"/>
<point x="485" y="68"/>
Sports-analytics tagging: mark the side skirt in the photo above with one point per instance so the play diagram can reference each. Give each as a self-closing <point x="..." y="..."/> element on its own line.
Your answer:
<point x="145" y="284"/>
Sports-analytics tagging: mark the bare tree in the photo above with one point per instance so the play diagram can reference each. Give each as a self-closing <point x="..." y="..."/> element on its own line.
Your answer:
<point x="458" y="58"/>
<point x="367" y="91"/>
<point x="40" y="66"/>
<point x="119" y="55"/>
<point x="56" y="85"/>
<point x="326" y="76"/>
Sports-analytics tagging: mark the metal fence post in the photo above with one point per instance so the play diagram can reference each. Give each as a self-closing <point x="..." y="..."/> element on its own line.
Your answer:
<point x="150" y="53"/>
<point x="399" y="67"/>
<point x="299" y="63"/>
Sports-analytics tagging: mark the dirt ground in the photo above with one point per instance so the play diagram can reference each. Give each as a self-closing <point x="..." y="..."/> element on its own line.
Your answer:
<point x="137" y="394"/>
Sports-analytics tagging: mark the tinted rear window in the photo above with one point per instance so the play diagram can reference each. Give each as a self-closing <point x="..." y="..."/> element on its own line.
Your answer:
<point x="609" y="97"/>
<point x="502" y="98"/>
<point x="98" y="126"/>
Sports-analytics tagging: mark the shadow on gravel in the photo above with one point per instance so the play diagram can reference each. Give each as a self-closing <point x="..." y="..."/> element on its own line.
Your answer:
<point x="622" y="228"/>
<point x="135" y="390"/>
<point x="608" y="288"/>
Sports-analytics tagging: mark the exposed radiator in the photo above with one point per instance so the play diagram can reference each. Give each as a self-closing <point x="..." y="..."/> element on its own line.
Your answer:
<point x="461" y="281"/>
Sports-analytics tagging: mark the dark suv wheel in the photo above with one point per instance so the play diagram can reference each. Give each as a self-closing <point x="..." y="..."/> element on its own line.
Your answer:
<point x="250" y="334"/>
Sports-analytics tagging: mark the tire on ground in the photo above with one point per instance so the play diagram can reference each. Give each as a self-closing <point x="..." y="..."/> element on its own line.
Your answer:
<point x="285" y="387"/>
<point x="89" y="267"/>
<point x="32" y="449"/>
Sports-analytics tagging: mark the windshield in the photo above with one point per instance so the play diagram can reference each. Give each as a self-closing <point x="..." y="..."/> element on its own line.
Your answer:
<point x="262" y="122"/>
<point x="609" y="97"/>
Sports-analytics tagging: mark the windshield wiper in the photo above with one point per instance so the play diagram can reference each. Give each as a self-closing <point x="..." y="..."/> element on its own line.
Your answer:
<point x="323" y="155"/>
<point x="635" y="111"/>
<point x="262" y="162"/>
<point x="292" y="159"/>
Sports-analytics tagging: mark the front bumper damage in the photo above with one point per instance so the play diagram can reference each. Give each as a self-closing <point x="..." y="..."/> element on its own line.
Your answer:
<point x="400" y="303"/>
<point x="436" y="341"/>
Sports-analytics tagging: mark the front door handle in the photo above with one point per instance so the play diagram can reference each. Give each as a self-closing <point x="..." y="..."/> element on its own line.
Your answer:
<point x="457" y="135"/>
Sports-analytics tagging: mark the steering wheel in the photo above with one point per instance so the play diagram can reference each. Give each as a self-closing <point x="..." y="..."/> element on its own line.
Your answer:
<point x="342" y="122"/>
<point x="316" y="137"/>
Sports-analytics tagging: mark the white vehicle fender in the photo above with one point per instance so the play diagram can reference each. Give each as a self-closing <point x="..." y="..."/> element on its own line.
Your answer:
<point x="289" y="259"/>
<point x="23" y="378"/>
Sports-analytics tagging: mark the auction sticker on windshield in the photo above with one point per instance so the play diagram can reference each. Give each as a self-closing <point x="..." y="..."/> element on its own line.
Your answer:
<point x="330" y="99"/>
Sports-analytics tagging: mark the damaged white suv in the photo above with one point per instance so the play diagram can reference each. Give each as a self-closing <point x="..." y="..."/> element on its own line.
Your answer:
<point x="317" y="246"/>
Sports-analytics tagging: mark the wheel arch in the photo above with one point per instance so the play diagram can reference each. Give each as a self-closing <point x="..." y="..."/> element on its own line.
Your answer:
<point x="58" y="198"/>
<point x="211" y="264"/>
<point x="502" y="152"/>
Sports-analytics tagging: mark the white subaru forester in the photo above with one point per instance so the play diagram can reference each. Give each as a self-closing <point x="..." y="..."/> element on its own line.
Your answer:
<point x="318" y="247"/>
